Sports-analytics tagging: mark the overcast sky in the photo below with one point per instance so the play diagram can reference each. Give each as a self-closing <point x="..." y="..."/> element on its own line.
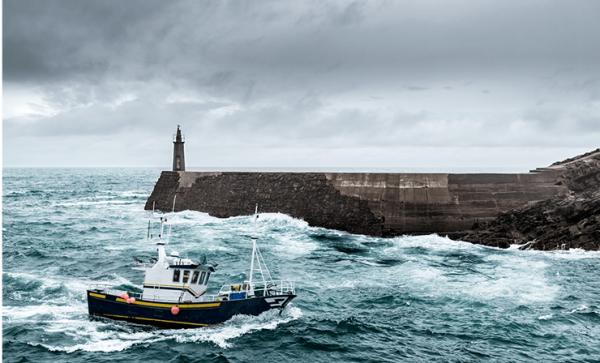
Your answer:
<point x="433" y="84"/>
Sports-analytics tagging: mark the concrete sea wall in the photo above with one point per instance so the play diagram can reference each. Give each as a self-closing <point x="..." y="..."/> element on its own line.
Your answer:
<point x="379" y="204"/>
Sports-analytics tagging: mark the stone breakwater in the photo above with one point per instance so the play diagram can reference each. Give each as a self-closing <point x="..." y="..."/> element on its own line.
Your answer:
<point x="377" y="204"/>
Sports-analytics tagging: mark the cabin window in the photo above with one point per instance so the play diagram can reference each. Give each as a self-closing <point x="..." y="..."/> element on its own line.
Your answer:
<point x="195" y="277"/>
<point x="202" y="278"/>
<point x="186" y="276"/>
<point x="176" y="274"/>
<point x="206" y="279"/>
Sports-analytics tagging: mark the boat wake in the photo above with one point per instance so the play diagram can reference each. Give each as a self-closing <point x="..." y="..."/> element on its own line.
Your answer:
<point x="106" y="336"/>
<point x="222" y="335"/>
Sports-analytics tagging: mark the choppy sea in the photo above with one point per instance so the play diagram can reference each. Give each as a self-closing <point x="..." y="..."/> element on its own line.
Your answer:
<point x="423" y="298"/>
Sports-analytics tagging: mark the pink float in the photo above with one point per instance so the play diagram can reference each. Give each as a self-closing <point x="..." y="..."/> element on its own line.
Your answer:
<point x="174" y="310"/>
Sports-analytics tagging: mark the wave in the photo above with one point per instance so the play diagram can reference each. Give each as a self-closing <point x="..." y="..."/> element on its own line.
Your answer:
<point x="107" y="336"/>
<point x="191" y="217"/>
<point x="281" y="220"/>
<point x="431" y="242"/>
<point x="95" y="336"/>
<point x="239" y="325"/>
<point x="264" y="220"/>
<point x="471" y="273"/>
<point x="133" y="194"/>
<point x="571" y="254"/>
<point x="546" y="317"/>
<point x="40" y="287"/>
<point x="25" y="313"/>
<point x="294" y="246"/>
<point x="82" y="203"/>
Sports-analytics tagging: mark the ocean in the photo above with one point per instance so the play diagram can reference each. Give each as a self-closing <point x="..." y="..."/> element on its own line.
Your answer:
<point x="360" y="299"/>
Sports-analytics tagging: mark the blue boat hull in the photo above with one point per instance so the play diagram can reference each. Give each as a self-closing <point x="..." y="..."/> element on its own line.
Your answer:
<point x="190" y="315"/>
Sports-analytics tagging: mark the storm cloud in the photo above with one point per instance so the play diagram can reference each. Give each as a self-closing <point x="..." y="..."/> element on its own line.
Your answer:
<point x="307" y="83"/>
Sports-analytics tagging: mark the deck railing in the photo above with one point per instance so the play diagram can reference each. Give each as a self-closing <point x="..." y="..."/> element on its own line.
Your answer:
<point x="109" y="289"/>
<point x="268" y="288"/>
<point x="272" y="287"/>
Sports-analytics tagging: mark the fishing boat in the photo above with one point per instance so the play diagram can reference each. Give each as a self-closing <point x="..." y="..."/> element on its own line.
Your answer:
<point x="174" y="291"/>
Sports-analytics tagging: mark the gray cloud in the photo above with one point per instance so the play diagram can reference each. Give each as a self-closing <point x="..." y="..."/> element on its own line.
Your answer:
<point x="301" y="75"/>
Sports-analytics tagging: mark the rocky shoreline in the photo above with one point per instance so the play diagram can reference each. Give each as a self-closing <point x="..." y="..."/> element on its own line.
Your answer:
<point x="571" y="220"/>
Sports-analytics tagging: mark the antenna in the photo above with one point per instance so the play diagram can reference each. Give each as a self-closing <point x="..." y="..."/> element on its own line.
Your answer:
<point x="148" y="235"/>
<point x="254" y="237"/>
<point x="255" y="218"/>
<point x="162" y="228"/>
<point x="172" y="211"/>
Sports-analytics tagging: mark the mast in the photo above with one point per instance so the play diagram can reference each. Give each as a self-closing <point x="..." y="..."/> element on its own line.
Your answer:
<point x="170" y="225"/>
<point x="253" y="246"/>
<point x="162" y="255"/>
<point x="162" y="227"/>
<point x="256" y="255"/>
<point x="149" y="235"/>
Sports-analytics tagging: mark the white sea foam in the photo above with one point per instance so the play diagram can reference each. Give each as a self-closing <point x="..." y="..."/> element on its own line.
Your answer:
<point x="579" y="309"/>
<point x="83" y="203"/>
<point x="100" y="336"/>
<point x="76" y="287"/>
<point x="500" y="274"/>
<point x="294" y="246"/>
<point x="572" y="254"/>
<point x="239" y="325"/>
<point x="71" y="321"/>
<point x="430" y="242"/>
<point x="427" y="274"/>
<point x="513" y="277"/>
<point x="191" y="218"/>
<point x="280" y="219"/>
<point x="134" y="193"/>
<point x="349" y="283"/>
<point x="26" y="312"/>
<point x="93" y="340"/>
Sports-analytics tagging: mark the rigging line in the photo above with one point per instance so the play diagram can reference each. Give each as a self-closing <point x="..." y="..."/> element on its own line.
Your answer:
<point x="261" y="259"/>
<point x="254" y="246"/>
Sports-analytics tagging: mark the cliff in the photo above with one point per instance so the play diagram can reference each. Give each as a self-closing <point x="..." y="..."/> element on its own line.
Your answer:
<point x="378" y="204"/>
<point x="570" y="220"/>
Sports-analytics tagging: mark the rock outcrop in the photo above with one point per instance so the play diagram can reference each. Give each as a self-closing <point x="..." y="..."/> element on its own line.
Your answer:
<point x="570" y="220"/>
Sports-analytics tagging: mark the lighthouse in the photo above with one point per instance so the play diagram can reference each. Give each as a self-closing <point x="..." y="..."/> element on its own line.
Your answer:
<point x="178" y="155"/>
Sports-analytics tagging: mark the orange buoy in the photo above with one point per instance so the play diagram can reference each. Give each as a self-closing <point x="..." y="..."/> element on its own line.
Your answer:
<point x="124" y="296"/>
<point x="131" y="300"/>
<point x="174" y="310"/>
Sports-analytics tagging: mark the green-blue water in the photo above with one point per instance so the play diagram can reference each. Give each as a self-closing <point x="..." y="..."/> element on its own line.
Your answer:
<point x="360" y="298"/>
